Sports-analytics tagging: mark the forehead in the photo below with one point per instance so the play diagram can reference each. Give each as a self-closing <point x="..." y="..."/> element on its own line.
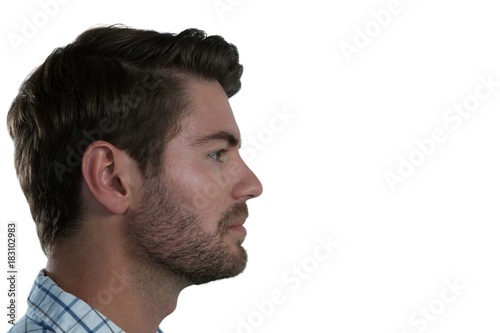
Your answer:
<point x="209" y="110"/>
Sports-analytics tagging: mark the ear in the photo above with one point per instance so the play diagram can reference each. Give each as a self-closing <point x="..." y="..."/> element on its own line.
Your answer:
<point x="110" y="176"/>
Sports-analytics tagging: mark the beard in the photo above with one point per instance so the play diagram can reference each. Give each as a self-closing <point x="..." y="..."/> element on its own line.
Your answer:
<point x="166" y="233"/>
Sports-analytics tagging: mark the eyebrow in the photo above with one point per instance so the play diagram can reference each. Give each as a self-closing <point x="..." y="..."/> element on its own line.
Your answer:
<point x="218" y="136"/>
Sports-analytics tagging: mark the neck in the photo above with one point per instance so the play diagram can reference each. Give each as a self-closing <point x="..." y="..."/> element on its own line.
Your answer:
<point x="129" y="292"/>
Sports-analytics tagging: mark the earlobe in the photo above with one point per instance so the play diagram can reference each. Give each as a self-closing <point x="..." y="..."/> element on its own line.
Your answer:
<point x="104" y="173"/>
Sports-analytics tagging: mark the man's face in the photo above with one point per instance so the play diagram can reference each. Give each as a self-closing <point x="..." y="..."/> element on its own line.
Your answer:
<point x="191" y="216"/>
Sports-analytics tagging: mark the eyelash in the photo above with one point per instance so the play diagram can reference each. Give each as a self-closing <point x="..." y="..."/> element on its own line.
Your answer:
<point x="219" y="155"/>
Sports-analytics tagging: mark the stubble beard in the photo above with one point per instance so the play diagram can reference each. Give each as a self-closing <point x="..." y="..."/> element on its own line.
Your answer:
<point x="166" y="234"/>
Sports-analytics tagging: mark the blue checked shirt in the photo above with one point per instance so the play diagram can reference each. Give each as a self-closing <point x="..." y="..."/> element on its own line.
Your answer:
<point x="51" y="309"/>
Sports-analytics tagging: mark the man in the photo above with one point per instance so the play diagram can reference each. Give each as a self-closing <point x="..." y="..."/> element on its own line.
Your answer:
<point x="127" y="151"/>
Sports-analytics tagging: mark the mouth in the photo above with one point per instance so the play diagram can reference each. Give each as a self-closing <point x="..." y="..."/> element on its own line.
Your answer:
<point x="233" y="220"/>
<point x="238" y="228"/>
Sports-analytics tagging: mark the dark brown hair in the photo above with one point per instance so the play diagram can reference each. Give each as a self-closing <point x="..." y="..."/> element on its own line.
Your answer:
<point x="121" y="85"/>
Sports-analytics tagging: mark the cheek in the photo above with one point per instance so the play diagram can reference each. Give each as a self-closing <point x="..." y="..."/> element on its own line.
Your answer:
<point x="203" y="191"/>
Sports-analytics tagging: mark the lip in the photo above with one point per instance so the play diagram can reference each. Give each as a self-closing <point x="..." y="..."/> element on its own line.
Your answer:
<point x="238" y="223"/>
<point x="238" y="227"/>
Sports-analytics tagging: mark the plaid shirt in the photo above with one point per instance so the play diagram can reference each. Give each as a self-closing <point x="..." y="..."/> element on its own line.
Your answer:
<point x="51" y="309"/>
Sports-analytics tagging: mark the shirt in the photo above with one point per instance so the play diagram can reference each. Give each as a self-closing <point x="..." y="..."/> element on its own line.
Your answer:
<point x="51" y="309"/>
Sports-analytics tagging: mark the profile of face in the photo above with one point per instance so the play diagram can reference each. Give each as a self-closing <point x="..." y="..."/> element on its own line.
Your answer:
<point x="190" y="219"/>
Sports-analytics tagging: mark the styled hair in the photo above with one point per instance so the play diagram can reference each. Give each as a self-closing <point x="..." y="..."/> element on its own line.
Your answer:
<point x="118" y="84"/>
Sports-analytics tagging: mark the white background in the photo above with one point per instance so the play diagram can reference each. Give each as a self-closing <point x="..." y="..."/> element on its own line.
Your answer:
<point x="323" y="171"/>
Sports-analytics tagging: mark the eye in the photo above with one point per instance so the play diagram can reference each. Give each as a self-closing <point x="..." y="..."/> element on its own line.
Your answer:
<point x="217" y="155"/>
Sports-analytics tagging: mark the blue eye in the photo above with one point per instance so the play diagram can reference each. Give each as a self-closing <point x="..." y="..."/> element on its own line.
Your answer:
<point x="217" y="155"/>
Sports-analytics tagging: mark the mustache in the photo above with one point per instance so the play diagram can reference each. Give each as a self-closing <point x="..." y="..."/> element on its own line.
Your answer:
<point x="237" y="212"/>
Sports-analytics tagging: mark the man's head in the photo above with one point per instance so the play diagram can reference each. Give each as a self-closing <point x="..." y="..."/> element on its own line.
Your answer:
<point x="134" y="123"/>
<point x="190" y="221"/>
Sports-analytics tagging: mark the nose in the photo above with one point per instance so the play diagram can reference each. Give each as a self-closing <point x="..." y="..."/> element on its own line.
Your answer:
<point x="248" y="185"/>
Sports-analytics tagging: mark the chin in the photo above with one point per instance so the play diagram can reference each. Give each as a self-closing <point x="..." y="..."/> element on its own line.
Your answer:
<point x="231" y="268"/>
